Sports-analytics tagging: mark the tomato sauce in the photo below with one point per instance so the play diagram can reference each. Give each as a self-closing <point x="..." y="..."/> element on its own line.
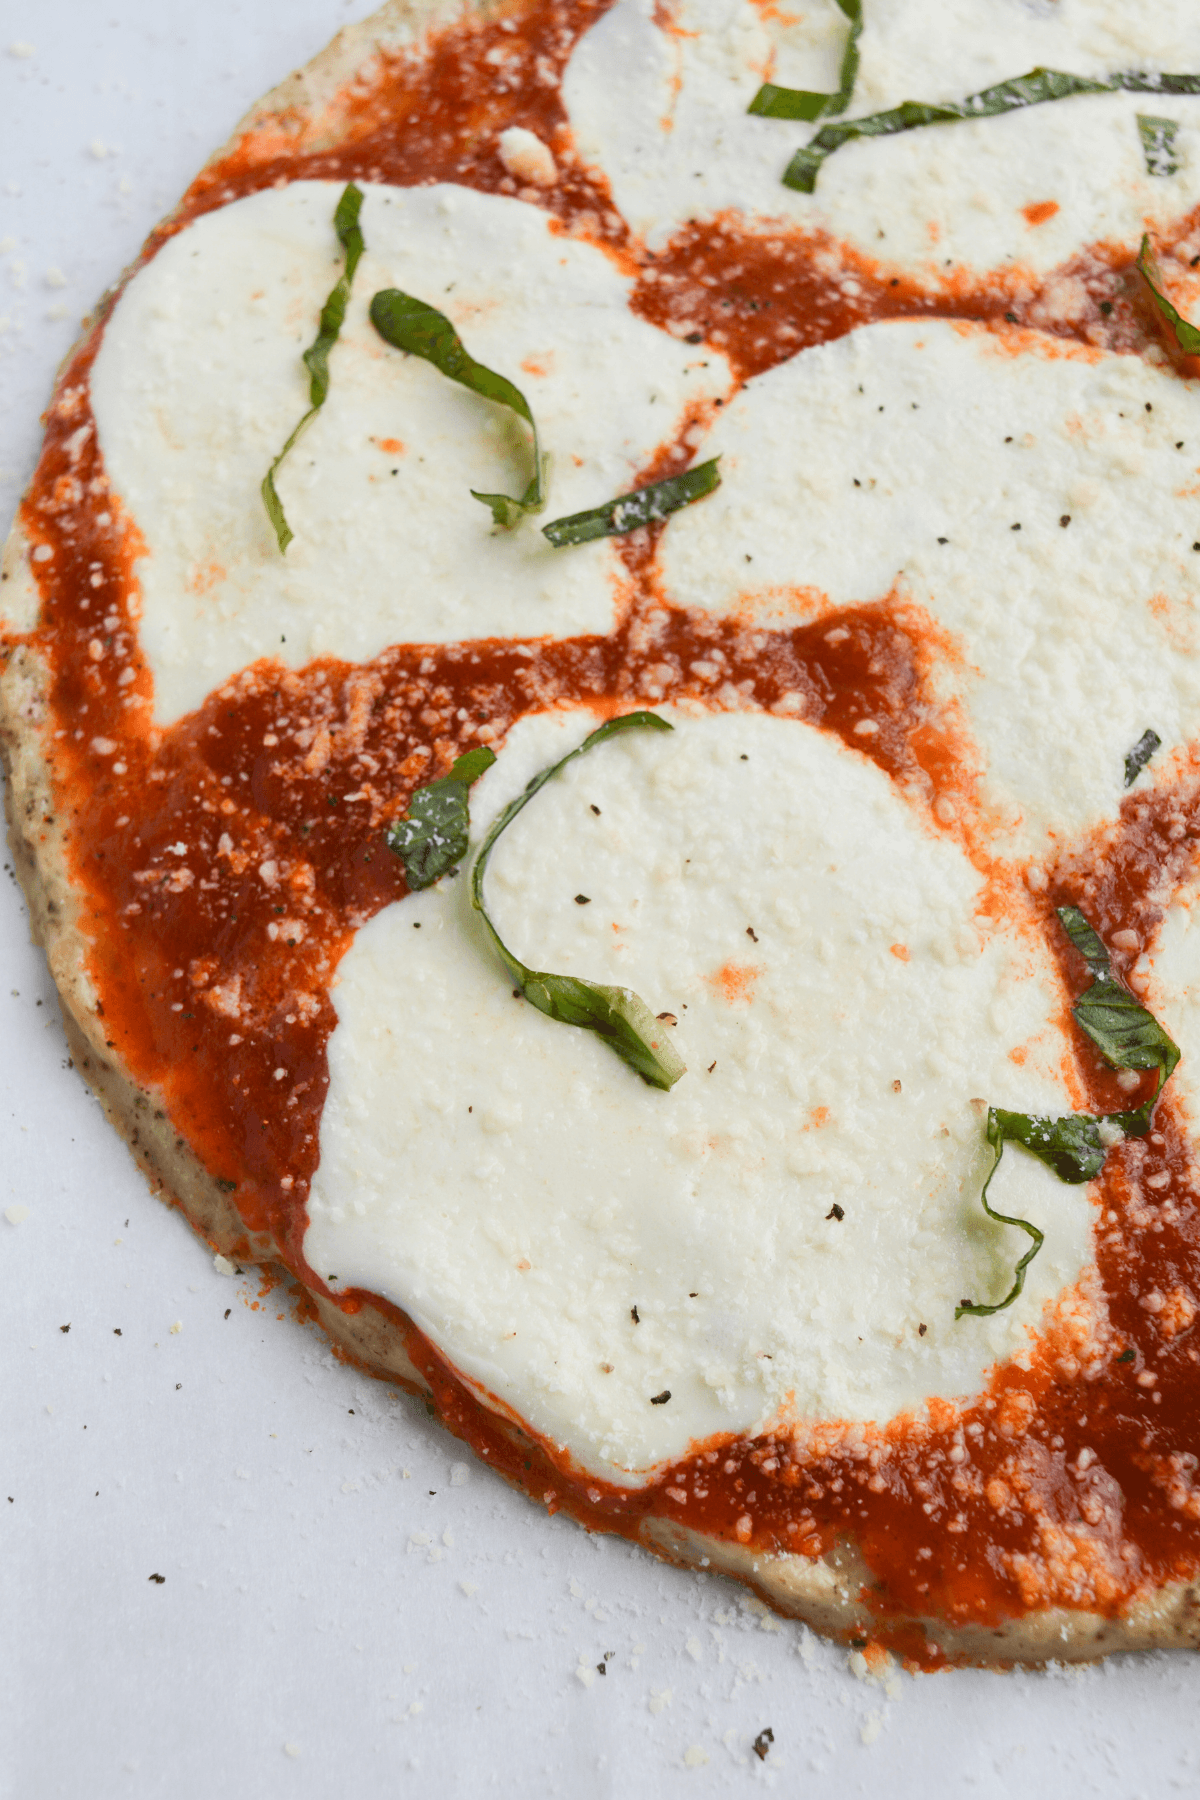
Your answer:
<point x="224" y="863"/>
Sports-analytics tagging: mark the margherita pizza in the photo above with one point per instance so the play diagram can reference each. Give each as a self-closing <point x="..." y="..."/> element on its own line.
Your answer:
<point x="601" y="694"/>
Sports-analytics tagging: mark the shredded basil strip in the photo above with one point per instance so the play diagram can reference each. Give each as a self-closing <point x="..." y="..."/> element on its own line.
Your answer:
<point x="316" y="357"/>
<point x="616" y="1014"/>
<point x="998" y="1135"/>
<point x="773" y="102"/>
<point x="645" y="506"/>
<point x="432" y="838"/>
<point x="1033" y="89"/>
<point x="1158" y="144"/>
<point x="412" y="325"/>
<point x="1186" y="335"/>
<point x="1128" y="1036"/>
<point x="1137" y="758"/>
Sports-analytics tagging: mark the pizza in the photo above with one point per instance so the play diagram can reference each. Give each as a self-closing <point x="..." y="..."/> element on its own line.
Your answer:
<point x="601" y="699"/>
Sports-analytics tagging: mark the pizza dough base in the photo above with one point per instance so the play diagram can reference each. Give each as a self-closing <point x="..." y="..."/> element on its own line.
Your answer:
<point x="826" y="1594"/>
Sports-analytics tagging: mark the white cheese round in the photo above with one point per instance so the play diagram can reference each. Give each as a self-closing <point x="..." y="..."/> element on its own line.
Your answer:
<point x="1167" y="977"/>
<point x="843" y="1007"/>
<point x="845" y="469"/>
<point x="680" y="144"/>
<point x="199" y="381"/>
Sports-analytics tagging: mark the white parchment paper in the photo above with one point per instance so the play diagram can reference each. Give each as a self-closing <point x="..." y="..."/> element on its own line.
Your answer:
<point x="348" y="1601"/>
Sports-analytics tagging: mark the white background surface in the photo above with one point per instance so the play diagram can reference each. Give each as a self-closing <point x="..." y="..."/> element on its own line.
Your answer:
<point x="314" y="1626"/>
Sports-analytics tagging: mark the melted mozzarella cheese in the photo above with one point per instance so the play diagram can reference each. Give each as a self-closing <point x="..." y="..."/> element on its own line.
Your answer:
<point x="845" y="469"/>
<point x="1168" y="978"/>
<point x="681" y="145"/>
<point x="199" y="381"/>
<point x="842" y="1002"/>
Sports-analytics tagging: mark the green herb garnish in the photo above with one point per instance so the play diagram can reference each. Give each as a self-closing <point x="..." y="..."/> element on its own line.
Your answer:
<point x="1137" y="758"/>
<point x="1033" y="89"/>
<point x="1128" y="1037"/>
<point x="1158" y="144"/>
<point x="432" y="837"/>
<point x="316" y="357"/>
<point x="998" y="1134"/>
<point x="1125" y="1033"/>
<point x="773" y="102"/>
<point x="1186" y="335"/>
<point x="644" y="506"/>
<point x="418" y="328"/>
<point x="614" y="1013"/>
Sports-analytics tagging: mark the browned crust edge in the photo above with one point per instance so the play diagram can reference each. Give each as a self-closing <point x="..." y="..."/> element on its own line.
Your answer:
<point x="830" y="1594"/>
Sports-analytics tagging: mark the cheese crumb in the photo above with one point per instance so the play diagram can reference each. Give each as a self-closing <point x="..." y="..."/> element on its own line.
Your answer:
<point x="695" y="1757"/>
<point x="16" y="1215"/>
<point x="176" y="1328"/>
<point x="526" y="157"/>
<point x="222" y="1265"/>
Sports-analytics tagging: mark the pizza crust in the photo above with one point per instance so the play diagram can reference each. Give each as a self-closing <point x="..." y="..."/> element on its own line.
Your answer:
<point x="302" y="112"/>
<point x="830" y="1594"/>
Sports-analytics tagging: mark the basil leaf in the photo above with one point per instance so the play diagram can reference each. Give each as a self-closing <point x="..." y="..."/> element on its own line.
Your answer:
<point x="773" y="102"/>
<point x="1075" y="1146"/>
<point x="643" y="507"/>
<point x="432" y="838"/>
<point x="412" y="325"/>
<point x="1085" y="939"/>
<point x="316" y="357"/>
<point x="1158" y="144"/>
<point x="1070" y="1146"/>
<point x="1033" y="89"/>
<point x="1125" y="1033"/>
<point x="1137" y="758"/>
<point x="1003" y="1127"/>
<point x="1186" y="335"/>
<point x="616" y="1014"/>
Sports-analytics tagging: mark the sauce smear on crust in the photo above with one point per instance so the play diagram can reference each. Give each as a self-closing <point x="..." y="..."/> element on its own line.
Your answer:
<point x="222" y="866"/>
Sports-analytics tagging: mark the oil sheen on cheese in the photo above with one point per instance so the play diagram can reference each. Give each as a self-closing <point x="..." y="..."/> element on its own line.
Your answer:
<point x="579" y="1244"/>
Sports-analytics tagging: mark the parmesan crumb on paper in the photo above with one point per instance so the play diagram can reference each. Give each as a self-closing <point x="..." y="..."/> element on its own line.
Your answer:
<point x="16" y="1215"/>
<point x="695" y="1756"/>
<point x="292" y="1750"/>
<point x="586" y="1674"/>
<point x="222" y="1265"/>
<point x="176" y="1328"/>
<point x="21" y="50"/>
